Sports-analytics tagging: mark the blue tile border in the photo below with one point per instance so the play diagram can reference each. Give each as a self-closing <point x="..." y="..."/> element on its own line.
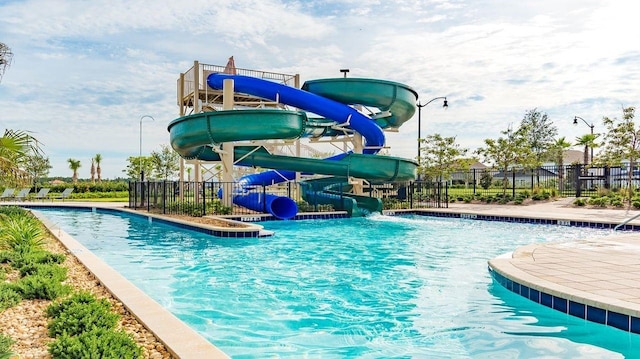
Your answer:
<point x="610" y="318"/>
<point x="297" y="217"/>
<point x="496" y="218"/>
<point x="213" y="232"/>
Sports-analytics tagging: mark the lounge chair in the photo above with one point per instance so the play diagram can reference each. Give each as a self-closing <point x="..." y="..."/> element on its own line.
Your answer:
<point x="22" y="194"/>
<point x="7" y="194"/>
<point x="42" y="194"/>
<point x="63" y="195"/>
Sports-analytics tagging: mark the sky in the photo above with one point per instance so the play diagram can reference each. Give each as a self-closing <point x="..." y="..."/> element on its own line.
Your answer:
<point x="84" y="73"/>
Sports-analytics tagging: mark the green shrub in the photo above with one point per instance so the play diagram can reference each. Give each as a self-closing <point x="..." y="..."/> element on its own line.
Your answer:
<point x="54" y="309"/>
<point x="8" y="297"/>
<point x="12" y="211"/>
<point x="580" y="202"/>
<point x="617" y="202"/>
<point x="599" y="201"/>
<point x="5" y="346"/>
<point x="53" y="271"/>
<point x="78" y="315"/>
<point x="28" y="262"/>
<point x="41" y="286"/>
<point x="21" y="233"/>
<point x="6" y="256"/>
<point x="98" y="343"/>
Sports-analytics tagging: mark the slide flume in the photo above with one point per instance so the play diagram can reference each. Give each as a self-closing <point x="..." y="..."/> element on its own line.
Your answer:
<point x="192" y="136"/>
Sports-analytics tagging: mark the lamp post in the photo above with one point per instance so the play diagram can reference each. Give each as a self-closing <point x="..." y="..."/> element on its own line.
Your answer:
<point x="575" y="122"/>
<point x="140" y="156"/>
<point x="420" y="106"/>
<point x="344" y="72"/>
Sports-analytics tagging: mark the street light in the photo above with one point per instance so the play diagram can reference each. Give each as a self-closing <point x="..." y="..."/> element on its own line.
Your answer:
<point x="420" y="106"/>
<point x="140" y="157"/>
<point x="344" y="72"/>
<point x="575" y="122"/>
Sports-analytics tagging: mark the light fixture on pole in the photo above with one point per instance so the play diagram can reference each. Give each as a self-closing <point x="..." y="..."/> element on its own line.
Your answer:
<point x="140" y="156"/>
<point x="591" y="126"/>
<point x="445" y="105"/>
<point x="344" y="72"/>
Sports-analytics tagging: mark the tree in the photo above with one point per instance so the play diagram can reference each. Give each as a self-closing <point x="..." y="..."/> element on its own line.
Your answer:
<point x="506" y="153"/>
<point x="136" y="164"/>
<point x="5" y="58"/>
<point x="38" y="166"/>
<point x="165" y="162"/>
<point x="98" y="159"/>
<point x="93" y="170"/>
<point x="622" y="142"/>
<point x="440" y="156"/>
<point x="540" y="134"/>
<point x="15" y="146"/>
<point x="74" y="165"/>
<point x="588" y="141"/>
<point x="557" y="151"/>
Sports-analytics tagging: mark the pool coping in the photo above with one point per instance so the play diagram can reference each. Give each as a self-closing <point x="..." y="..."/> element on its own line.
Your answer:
<point x="602" y="308"/>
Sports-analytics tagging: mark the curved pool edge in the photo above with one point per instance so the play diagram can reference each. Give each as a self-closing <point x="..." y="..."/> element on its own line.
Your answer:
<point x="179" y="339"/>
<point x="592" y="279"/>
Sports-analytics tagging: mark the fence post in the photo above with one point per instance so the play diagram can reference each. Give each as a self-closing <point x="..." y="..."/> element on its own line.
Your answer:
<point x="474" y="181"/>
<point x="446" y="195"/>
<point x="576" y="177"/>
<point x="204" y="199"/>
<point x="513" y="183"/>
<point x="411" y="189"/>
<point x="164" y="197"/>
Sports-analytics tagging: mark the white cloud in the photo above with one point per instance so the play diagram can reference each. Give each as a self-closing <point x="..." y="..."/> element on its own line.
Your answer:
<point x="84" y="72"/>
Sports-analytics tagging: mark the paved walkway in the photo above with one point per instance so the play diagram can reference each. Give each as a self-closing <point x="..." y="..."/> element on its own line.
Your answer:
<point x="597" y="279"/>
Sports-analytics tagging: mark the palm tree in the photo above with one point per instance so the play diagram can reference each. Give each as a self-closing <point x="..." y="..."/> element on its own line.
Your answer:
<point x="557" y="150"/>
<point x="74" y="165"/>
<point x="15" y="147"/>
<point x="5" y="58"/>
<point x="93" y="170"/>
<point x="98" y="159"/>
<point x="588" y="141"/>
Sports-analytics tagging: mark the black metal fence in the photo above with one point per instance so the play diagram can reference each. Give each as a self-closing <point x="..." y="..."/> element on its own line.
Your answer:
<point x="570" y="181"/>
<point x="206" y="198"/>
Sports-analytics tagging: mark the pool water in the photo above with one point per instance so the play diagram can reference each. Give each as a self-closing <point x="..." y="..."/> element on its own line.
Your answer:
<point x="374" y="287"/>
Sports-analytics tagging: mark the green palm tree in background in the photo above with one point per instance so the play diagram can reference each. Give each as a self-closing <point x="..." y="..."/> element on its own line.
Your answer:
<point x="93" y="170"/>
<point x="588" y="141"/>
<point x="74" y="165"/>
<point x="15" y="147"/>
<point x="98" y="159"/>
<point x="557" y="151"/>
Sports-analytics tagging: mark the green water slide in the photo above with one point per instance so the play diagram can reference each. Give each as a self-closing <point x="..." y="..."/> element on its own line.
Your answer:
<point x="192" y="135"/>
<point x="198" y="136"/>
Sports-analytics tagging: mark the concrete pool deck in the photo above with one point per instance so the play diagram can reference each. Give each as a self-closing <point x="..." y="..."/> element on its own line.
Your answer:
<point x="595" y="279"/>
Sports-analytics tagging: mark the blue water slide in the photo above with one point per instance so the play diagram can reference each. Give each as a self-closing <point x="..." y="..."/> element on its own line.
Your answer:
<point x="339" y="112"/>
<point x="284" y="207"/>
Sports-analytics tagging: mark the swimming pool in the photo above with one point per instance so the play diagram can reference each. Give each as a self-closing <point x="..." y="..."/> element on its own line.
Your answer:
<point x="375" y="287"/>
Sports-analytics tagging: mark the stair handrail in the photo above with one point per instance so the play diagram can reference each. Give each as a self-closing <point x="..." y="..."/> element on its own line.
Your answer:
<point x="626" y="221"/>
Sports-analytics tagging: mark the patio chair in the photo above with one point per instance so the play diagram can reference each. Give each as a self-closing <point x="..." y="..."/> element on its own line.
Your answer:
<point x="7" y="194"/>
<point x="42" y="194"/>
<point x="22" y="194"/>
<point x="63" y="195"/>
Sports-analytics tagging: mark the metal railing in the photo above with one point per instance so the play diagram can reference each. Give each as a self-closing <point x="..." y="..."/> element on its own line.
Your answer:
<point x="204" y="198"/>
